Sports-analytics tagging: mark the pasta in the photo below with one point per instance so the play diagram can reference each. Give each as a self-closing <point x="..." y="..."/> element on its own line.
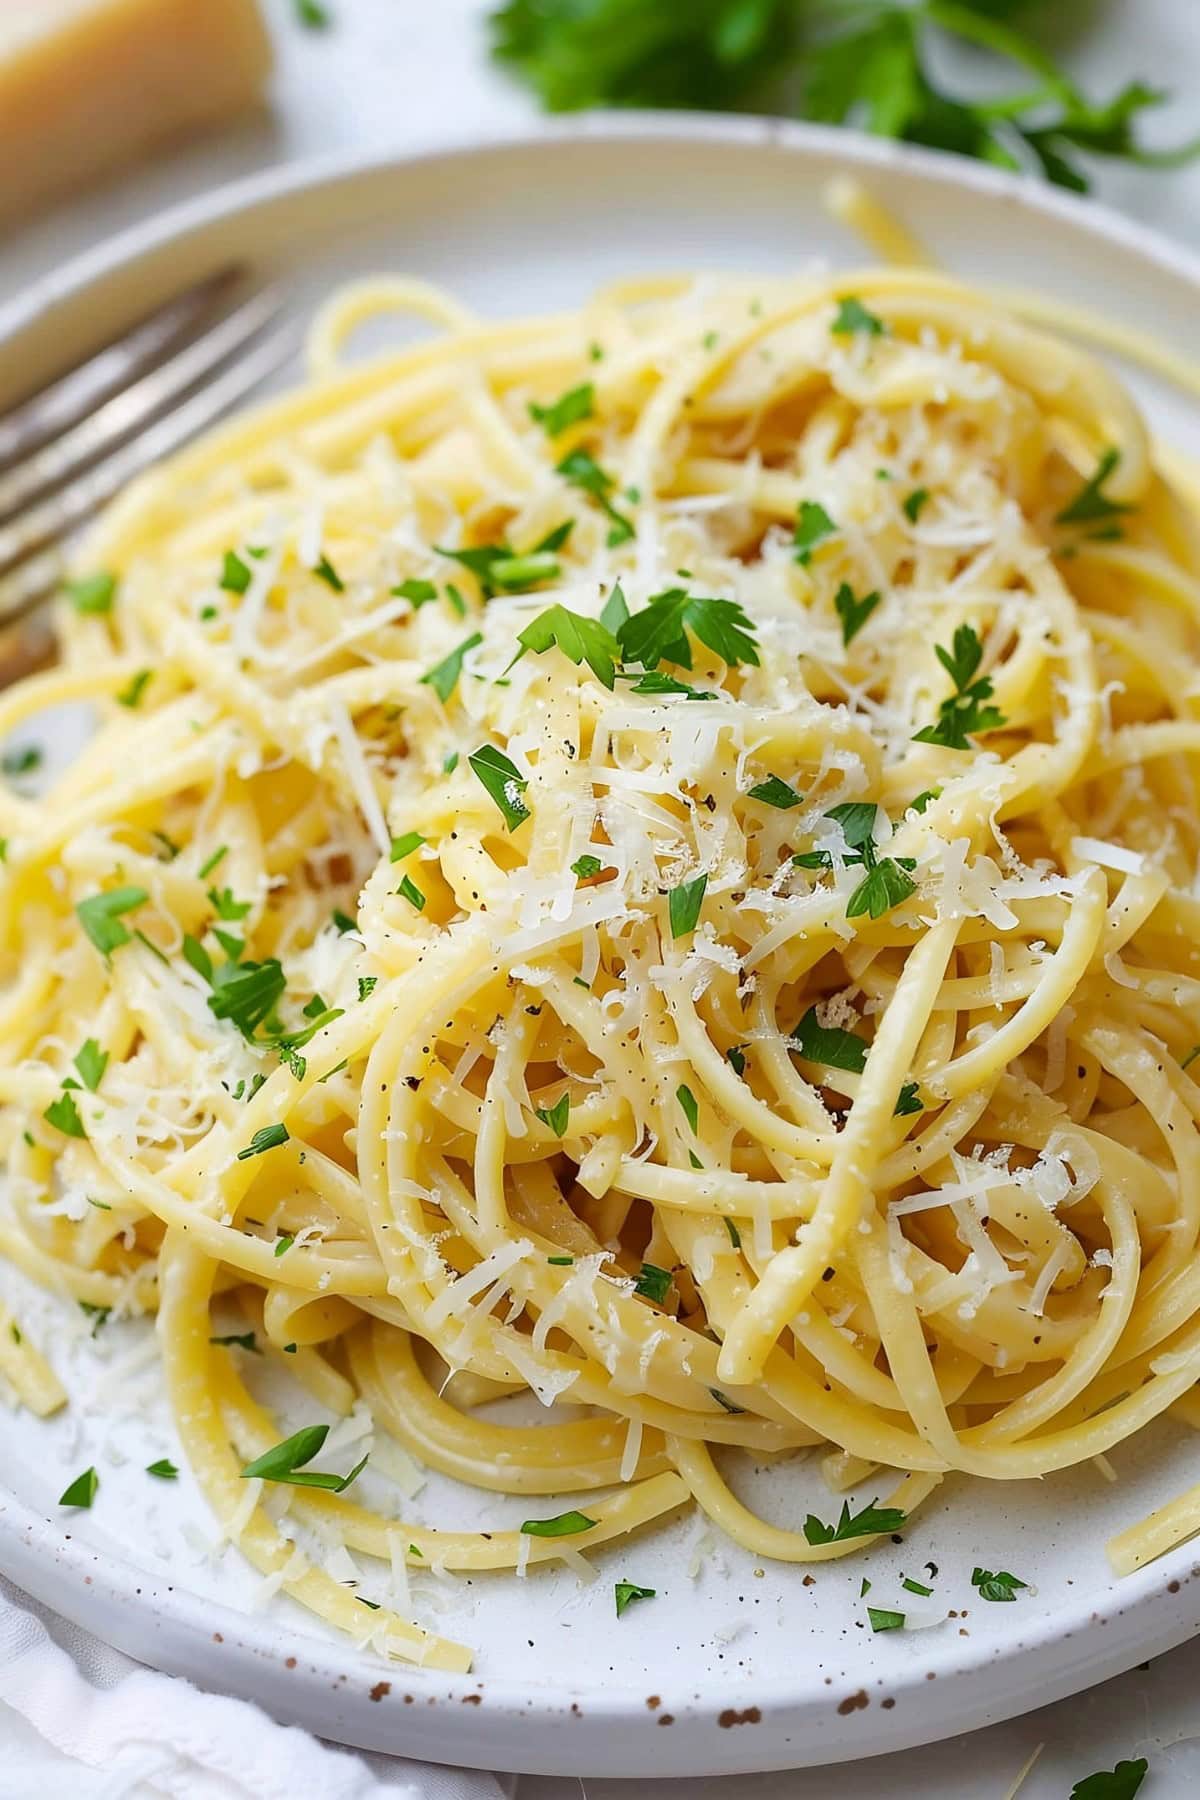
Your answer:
<point x="645" y="859"/>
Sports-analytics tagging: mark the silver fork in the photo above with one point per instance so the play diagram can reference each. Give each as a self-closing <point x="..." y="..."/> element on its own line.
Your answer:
<point x="68" y="449"/>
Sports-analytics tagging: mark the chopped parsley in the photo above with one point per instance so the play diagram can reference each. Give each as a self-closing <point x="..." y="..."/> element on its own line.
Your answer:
<point x="688" y="1106"/>
<point x="569" y="409"/>
<point x="443" y="677"/>
<point x="813" y="526"/>
<point x="285" y="1462"/>
<point x="226" y="907"/>
<point x="267" y="1137"/>
<point x="774" y="791"/>
<point x="165" y="1471"/>
<point x="567" y="1524"/>
<point x="883" y="1619"/>
<point x="627" y="1592"/>
<point x="579" y="638"/>
<point x="314" y="15"/>
<point x="131" y="696"/>
<point x="23" y="760"/>
<point x="584" y="472"/>
<point x="916" y="1587"/>
<point x="735" y="1236"/>
<point x="586" y="866"/>
<point x="653" y="1283"/>
<point x="343" y="922"/>
<point x="91" y="1063"/>
<point x="872" y="1521"/>
<point x="93" y="593"/>
<point x="244" y="993"/>
<point x="853" y="318"/>
<point x="503" y="781"/>
<point x="659" y="633"/>
<point x="997" y="1585"/>
<point x="210" y="863"/>
<point x="100" y="915"/>
<point x="833" y="1048"/>
<point x="82" y="1491"/>
<point x="924" y="799"/>
<point x="854" y="612"/>
<point x="366" y="986"/>
<point x="736" y="1058"/>
<point x="555" y="1117"/>
<point x="1091" y="503"/>
<point x="964" y="712"/>
<point x="886" y="883"/>
<point x="420" y="593"/>
<point x="684" y="903"/>
<point x="245" y="1340"/>
<point x="656" y="681"/>
<point x="404" y="846"/>
<point x="235" y="574"/>
<point x="908" y="1101"/>
<point x="408" y="890"/>
<point x="283" y="1243"/>
<point x="1120" y="1783"/>
<point x="63" y="1114"/>
<point x="99" y="1315"/>
<point x="324" y="570"/>
<point x="914" y="504"/>
<point x="499" y="566"/>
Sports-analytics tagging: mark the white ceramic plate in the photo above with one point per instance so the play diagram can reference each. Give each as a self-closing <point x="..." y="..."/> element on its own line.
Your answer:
<point x="732" y="1667"/>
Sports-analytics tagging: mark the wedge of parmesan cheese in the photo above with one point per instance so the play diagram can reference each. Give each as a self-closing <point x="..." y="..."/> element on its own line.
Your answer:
<point x="86" y="85"/>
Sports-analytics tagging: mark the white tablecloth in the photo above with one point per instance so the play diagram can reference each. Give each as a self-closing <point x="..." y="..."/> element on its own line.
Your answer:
<point x="78" y="1718"/>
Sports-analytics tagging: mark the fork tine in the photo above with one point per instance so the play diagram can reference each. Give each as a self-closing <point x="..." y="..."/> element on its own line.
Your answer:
<point x="128" y="411"/>
<point x="48" y="523"/>
<point x="77" y="393"/>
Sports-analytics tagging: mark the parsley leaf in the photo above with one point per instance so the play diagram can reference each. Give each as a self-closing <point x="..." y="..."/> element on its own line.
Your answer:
<point x="555" y="1117"/>
<point x="246" y="993"/>
<point x="883" y="1619"/>
<point x="853" y="318"/>
<point x="1121" y="1783"/>
<point x="566" y="1524"/>
<point x="63" y="1114"/>
<point x="443" y="677"/>
<point x="579" y="638"/>
<point x="82" y="1491"/>
<point x="853" y="612"/>
<point x="503" y="781"/>
<point x="914" y="504"/>
<point x="683" y="905"/>
<point x="964" y="713"/>
<point x="225" y="906"/>
<point x="420" y="593"/>
<point x="774" y="791"/>
<point x="627" y="1592"/>
<point x="689" y="1106"/>
<point x="585" y="473"/>
<point x="324" y="570"/>
<point x="405" y="845"/>
<point x="996" y="1586"/>
<point x="586" y="866"/>
<point x="92" y="593"/>
<point x="655" y="681"/>
<point x="408" y="890"/>
<point x="831" y="1047"/>
<point x="131" y="696"/>
<point x="569" y="409"/>
<point x="166" y="1471"/>
<point x="100" y="915"/>
<point x="872" y="1521"/>
<point x="659" y="632"/>
<point x="653" y="1283"/>
<point x="267" y="1137"/>
<point x="285" y="1462"/>
<point x="884" y="886"/>
<point x="91" y="1063"/>
<point x="235" y="574"/>
<point x="813" y="526"/>
<point x="908" y="1101"/>
<point x="1091" y="502"/>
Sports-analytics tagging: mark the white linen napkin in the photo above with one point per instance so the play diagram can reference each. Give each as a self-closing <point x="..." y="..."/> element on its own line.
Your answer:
<point x="78" y="1718"/>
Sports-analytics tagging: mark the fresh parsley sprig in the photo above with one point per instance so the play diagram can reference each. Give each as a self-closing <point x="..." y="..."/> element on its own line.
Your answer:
<point x="862" y="65"/>
<point x="659" y="633"/>
<point x="965" y="713"/>
<point x="285" y="1462"/>
<point x="872" y="1521"/>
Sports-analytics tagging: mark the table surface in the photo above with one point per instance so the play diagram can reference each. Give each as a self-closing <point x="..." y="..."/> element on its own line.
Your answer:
<point x="390" y="75"/>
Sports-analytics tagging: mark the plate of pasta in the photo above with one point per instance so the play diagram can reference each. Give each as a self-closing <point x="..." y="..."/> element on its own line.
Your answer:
<point x="600" y="980"/>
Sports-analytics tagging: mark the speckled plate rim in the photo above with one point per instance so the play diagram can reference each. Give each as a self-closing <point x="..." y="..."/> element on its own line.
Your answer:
<point x="493" y="1723"/>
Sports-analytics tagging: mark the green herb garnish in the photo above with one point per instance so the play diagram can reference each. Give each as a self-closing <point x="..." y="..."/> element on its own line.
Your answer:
<point x="833" y="1048"/>
<point x="579" y="638"/>
<point x="100" y="915"/>
<point x="1091" y="503"/>
<point x="872" y="1521"/>
<point x="443" y="677"/>
<point x="964" y="712"/>
<point x="567" y="1524"/>
<point x="569" y="409"/>
<point x="813" y="526"/>
<point x="854" y="612"/>
<point x="555" y="1117"/>
<point x="267" y="1137"/>
<point x="82" y="1490"/>
<point x="91" y="1063"/>
<point x="996" y="1585"/>
<point x="285" y="1462"/>
<point x="93" y="593"/>
<point x="627" y="1592"/>
<point x="660" y="632"/>
<point x="503" y="781"/>
<point x="684" y="903"/>
<point x="853" y="318"/>
<point x="653" y="1283"/>
<point x="774" y="791"/>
